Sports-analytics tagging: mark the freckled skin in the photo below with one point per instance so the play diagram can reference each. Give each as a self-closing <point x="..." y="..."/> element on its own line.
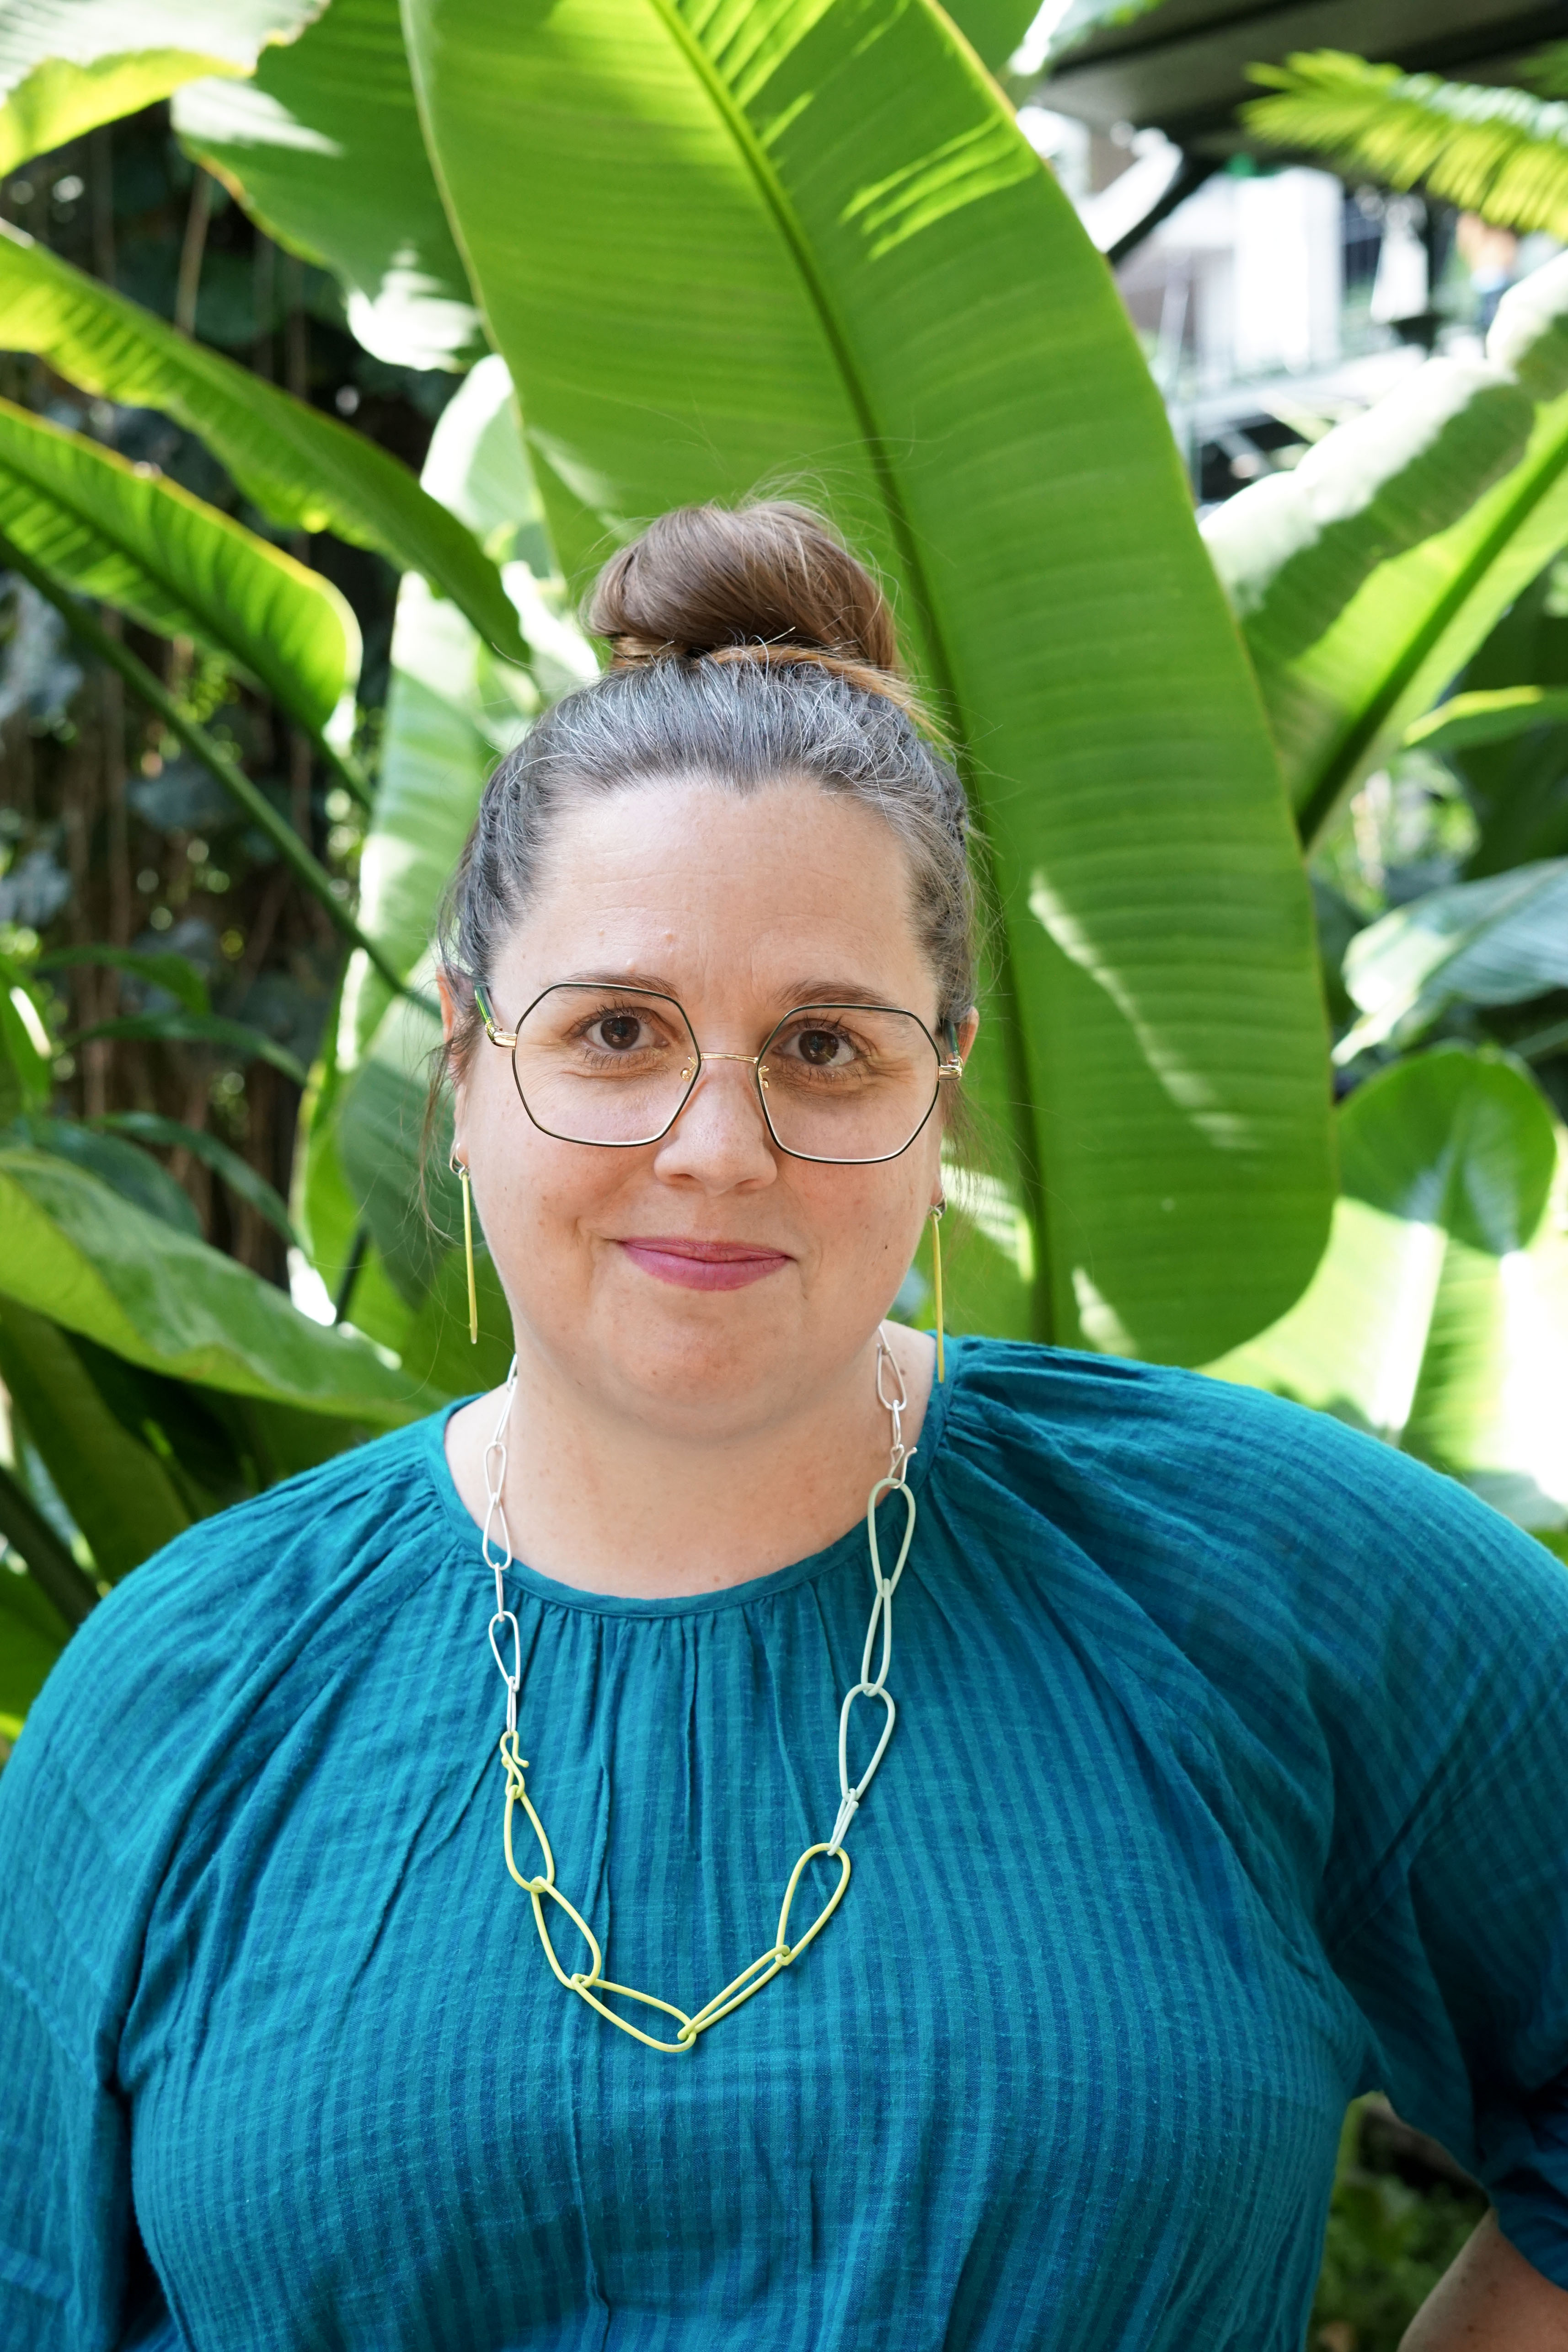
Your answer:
<point x="671" y="1438"/>
<point x="1491" y="2300"/>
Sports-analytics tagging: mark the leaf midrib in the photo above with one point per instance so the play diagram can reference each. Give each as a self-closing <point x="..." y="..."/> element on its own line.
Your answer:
<point x="1014" y="1055"/>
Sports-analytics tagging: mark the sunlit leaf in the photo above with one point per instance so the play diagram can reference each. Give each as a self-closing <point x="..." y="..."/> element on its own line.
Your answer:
<point x="720" y="249"/>
<point x="302" y="469"/>
<point x="1294" y="548"/>
<point x="68" y="65"/>
<point x="322" y="146"/>
<point x="1438" y="1318"/>
<point x="1339" y="700"/>
<point x="1492" y="149"/>
<point x="121" y="533"/>
<point x="1493" y="718"/>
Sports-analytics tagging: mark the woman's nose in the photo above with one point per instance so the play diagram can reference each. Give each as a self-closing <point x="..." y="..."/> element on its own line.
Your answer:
<point x="720" y="1136"/>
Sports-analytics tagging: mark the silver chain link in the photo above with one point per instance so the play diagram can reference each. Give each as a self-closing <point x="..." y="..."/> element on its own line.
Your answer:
<point x="868" y="1687"/>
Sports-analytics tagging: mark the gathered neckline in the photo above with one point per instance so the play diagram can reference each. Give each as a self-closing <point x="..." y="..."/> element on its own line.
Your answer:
<point x="546" y="1589"/>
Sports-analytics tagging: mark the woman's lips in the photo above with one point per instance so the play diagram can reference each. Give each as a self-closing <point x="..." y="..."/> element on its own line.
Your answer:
<point x="702" y="1265"/>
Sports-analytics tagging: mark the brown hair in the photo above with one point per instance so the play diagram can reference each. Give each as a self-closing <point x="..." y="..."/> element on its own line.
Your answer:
<point x="747" y="645"/>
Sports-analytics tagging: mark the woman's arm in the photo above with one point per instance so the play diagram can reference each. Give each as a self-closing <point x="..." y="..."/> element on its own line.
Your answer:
<point x="1491" y="2300"/>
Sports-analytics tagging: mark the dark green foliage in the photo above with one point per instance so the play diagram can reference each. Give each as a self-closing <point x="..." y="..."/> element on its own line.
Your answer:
<point x="1395" y="2225"/>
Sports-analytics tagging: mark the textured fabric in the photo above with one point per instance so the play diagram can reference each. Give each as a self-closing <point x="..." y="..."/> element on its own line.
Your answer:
<point x="1227" y="1782"/>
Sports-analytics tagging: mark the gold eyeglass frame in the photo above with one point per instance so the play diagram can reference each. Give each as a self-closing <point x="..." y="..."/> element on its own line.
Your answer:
<point x="951" y="1066"/>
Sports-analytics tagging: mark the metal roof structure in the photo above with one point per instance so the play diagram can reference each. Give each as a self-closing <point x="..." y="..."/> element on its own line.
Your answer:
<point x="1180" y="68"/>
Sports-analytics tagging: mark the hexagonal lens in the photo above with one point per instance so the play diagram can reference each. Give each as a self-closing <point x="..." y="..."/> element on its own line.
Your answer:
<point x="604" y="1065"/>
<point x="847" y="1082"/>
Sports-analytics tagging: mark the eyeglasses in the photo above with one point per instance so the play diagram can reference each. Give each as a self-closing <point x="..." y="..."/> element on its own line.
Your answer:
<point x="848" y="1084"/>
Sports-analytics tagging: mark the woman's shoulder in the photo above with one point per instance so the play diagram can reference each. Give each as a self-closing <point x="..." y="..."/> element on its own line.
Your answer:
<point x="1153" y="1440"/>
<point x="1249" y="1526"/>
<point x="194" y="1631"/>
<point x="1286" y="1586"/>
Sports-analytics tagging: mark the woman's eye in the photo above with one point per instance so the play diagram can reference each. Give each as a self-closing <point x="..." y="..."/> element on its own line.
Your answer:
<point x="822" y="1049"/>
<point x="618" y="1032"/>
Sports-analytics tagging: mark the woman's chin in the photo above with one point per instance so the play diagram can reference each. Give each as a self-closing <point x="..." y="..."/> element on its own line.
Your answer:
<point x="708" y="1353"/>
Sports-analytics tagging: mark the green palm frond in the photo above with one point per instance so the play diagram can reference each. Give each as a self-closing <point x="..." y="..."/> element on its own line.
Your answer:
<point x="1502" y="154"/>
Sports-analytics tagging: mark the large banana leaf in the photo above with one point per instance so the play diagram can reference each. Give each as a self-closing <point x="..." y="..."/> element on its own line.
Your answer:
<point x="123" y="534"/>
<point x="113" y="1485"/>
<point x="322" y="146"/>
<point x="435" y="755"/>
<point x="450" y="711"/>
<point x="67" y="65"/>
<point x="721" y="246"/>
<point x="302" y="469"/>
<point x="1294" y="549"/>
<point x="1407" y="622"/>
<point x="1439" y="1319"/>
<point x="1498" y="942"/>
<point x="74" y="1251"/>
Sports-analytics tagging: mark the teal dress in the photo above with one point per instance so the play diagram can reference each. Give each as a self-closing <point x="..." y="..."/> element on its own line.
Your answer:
<point x="1228" y="1781"/>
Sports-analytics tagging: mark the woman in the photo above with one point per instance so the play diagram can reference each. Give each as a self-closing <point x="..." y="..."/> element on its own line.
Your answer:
<point x="1226" y="1775"/>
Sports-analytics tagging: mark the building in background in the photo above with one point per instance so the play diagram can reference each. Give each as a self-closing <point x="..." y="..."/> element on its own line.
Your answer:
<point x="1272" y="301"/>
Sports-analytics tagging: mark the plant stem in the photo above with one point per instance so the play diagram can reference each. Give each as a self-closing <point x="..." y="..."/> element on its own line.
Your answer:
<point x="49" y="1564"/>
<point x="190" y="279"/>
<point x="350" y="1273"/>
<point x="306" y="869"/>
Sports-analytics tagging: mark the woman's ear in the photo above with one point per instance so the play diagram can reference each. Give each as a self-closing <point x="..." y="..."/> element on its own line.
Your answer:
<point x="448" y="1008"/>
<point x="968" y="1030"/>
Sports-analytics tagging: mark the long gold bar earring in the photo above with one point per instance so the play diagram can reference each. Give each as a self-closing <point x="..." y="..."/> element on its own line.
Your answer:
<point x="936" y="1280"/>
<point x="460" y="1170"/>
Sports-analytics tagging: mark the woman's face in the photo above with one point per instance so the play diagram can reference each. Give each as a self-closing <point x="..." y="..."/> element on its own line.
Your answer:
<point x="741" y="908"/>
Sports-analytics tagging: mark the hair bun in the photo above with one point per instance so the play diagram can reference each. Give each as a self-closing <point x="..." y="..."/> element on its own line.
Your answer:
<point x="773" y="573"/>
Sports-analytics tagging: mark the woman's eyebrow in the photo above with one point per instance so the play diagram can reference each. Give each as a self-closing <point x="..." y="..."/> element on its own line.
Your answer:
<point x="651" y="984"/>
<point x="835" y="992"/>
<point x="817" y="991"/>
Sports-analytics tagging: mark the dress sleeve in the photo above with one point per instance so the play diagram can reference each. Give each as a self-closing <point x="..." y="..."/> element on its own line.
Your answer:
<point x="73" y="2277"/>
<point x="1459" y="1954"/>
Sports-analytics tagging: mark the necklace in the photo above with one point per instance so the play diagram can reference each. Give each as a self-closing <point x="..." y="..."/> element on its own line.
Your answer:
<point x="591" y="1983"/>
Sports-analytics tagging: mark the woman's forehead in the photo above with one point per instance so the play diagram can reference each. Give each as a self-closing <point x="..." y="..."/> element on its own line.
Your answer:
<point x="687" y="886"/>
